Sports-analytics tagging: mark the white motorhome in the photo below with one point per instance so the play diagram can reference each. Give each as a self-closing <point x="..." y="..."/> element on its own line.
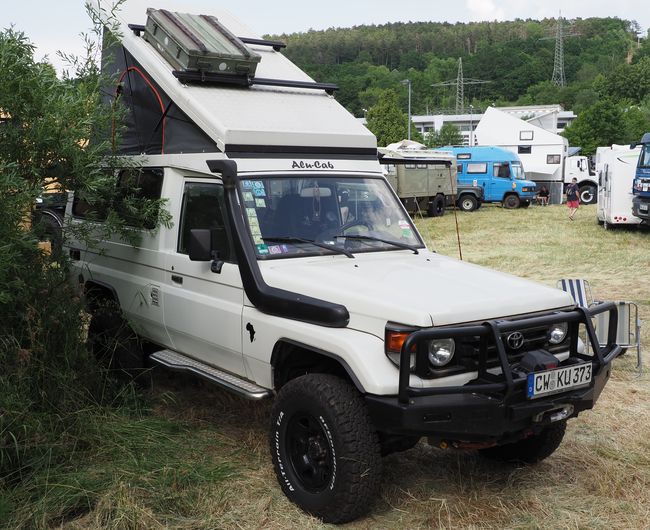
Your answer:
<point x="615" y="167"/>
<point x="291" y="271"/>
<point x="544" y="154"/>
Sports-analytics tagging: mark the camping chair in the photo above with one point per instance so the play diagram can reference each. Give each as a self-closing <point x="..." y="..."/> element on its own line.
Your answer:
<point x="628" y="332"/>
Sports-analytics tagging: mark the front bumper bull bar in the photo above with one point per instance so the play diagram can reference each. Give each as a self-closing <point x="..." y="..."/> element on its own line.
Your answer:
<point x="493" y="405"/>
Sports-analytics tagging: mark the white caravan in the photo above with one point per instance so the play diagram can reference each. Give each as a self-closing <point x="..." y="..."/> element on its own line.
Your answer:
<point x="291" y="271"/>
<point x="615" y="167"/>
<point x="544" y="154"/>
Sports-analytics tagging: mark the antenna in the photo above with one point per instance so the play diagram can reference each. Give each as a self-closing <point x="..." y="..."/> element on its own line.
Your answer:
<point x="460" y="83"/>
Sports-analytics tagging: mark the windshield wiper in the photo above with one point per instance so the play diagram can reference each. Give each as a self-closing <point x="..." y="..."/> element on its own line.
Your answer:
<point x="293" y="239"/>
<point x="398" y="244"/>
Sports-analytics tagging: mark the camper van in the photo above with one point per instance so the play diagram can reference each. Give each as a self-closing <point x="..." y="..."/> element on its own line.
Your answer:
<point x="615" y="167"/>
<point x="641" y="187"/>
<point x="425" y="181"/>
<point x="497" y="171"/>
<point x="544" y="154"/>
<point x="290" y="271"/>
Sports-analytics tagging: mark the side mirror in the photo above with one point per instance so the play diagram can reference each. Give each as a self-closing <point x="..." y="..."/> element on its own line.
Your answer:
<point x="200" y="244"/>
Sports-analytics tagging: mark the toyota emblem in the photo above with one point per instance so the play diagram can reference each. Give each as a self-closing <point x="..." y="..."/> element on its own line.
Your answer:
<point x="515" y="340"/>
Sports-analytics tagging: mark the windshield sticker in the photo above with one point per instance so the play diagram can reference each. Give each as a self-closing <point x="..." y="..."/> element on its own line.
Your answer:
<point x="260" y="203"/>
<point x="246" y="184"/>
<point x="251" y="212"/>
<point x="248" y="196"/>
<point x="278" y="249"/>
<point x="255" y="230"/>
<point x="387" y="221"/>
<point x="404" y="225"/>
<point x="262" y="248"/>
<point x="406" y="232"/>
<point x="258" y="188"/>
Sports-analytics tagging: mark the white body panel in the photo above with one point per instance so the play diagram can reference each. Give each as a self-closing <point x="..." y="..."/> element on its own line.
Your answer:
<point x="615" y="167"/>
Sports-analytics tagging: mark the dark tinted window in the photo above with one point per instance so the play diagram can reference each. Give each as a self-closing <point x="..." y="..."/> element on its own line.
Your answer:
<point x="524" y="149"/>
<point x="553" y="159"/>
<point x="204" y="207"/>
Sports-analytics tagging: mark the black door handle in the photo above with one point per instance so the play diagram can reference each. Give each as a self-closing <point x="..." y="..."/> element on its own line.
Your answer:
<point x="177" y="279"/>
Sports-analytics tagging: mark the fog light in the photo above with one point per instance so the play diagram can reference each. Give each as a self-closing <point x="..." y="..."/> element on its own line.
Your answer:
<point x="441" y="352"/>
<point x="557" y="333"/>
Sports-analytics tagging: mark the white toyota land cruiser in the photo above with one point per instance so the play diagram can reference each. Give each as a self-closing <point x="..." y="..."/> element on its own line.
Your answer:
<point x="292" y="272"/>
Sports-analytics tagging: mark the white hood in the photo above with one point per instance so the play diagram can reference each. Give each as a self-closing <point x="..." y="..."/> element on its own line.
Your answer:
<point x="420" y="290"/>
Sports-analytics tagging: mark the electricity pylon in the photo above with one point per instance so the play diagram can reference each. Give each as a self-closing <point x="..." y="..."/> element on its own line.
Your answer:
<point x="460" y="86"/>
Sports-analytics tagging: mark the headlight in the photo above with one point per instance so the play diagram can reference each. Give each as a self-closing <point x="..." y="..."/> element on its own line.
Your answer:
<point x="441" y="352"/>
<point x="557" y="333"/>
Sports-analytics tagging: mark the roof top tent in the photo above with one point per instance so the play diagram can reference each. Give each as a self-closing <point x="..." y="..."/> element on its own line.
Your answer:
<point x="206" y="84"/>
<point x="615" y="167"/>
<point x="543" y="153"/>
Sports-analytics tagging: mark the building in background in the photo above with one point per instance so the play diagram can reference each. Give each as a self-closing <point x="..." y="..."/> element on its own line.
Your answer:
<point x="552" y="118"/>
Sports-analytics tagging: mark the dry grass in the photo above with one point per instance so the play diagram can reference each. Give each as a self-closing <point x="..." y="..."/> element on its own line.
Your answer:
<point x="599" y="478"/>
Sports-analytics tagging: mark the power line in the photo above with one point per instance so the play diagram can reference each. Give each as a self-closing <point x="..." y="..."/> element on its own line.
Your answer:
<point x="460" y="83"/>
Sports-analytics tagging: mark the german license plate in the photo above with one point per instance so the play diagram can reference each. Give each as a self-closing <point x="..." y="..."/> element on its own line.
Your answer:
<point x="558" y="380"/>
<point x="643" y="207"/>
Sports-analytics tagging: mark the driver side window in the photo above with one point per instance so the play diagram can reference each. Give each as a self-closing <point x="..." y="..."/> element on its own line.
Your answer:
<point x="204" y="207"/>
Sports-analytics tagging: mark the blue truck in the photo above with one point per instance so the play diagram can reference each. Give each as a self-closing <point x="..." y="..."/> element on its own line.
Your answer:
<point x="498" y="171"/>
<point x="641" y="183"/>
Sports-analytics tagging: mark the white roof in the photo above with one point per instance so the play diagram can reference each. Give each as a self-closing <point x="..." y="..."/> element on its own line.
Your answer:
<point x="501" y="128"/>
<point x="259" y="115"/>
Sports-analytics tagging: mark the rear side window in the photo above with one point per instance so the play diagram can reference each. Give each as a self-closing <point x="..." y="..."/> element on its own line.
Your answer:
<point x="135" y="187"/>
<point x="553" y="159"/>
<point x="476" y="167"/>
<point x="204" y="207"/>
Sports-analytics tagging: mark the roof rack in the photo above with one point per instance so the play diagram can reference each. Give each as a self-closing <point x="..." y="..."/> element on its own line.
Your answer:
<point x="202" y="50"/>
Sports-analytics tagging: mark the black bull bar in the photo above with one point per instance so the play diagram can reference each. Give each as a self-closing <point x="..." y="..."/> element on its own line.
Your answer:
<point x="494" y="329"/>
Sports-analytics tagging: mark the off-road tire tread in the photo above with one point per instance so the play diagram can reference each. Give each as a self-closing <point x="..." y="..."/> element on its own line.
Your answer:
<point x="530" y="450"/>
<point x="357" y="438"/>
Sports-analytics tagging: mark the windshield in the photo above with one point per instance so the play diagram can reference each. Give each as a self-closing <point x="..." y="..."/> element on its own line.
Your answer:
<point x="644" y="159"/>
<point x="299" y="216"/>
<point x="517" y="170"/>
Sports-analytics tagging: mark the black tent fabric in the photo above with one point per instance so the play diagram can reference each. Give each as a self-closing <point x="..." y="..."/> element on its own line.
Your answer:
<point x="152" y="123"/>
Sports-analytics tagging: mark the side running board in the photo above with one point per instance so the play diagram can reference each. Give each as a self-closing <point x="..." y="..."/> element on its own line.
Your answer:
<point x="180" y="362"/>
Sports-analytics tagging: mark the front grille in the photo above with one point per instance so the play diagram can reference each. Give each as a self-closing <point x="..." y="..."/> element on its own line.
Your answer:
<point x="468" y="349"/>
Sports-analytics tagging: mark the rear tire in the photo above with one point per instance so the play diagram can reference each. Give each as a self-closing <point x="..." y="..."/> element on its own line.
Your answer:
<point x="112" y="341"/>
<point x="511" y="201"/>
<point x="436" y="206"/>
<point x="325" y="451"/>
<point x="468" y="203"/>
<point x="530" y="450"/>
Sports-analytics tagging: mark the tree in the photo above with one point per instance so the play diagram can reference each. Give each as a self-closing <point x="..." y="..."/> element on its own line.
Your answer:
<point x="388" y="122"/>
<point x="449" y="134"/>
<point x="49" y="135"/>
<point x="599" y="125"/>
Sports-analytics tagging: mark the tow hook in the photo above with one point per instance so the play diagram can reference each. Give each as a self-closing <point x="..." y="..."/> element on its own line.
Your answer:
<point x="557" y="414"/>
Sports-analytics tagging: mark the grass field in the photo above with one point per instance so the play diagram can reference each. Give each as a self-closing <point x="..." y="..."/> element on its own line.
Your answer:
<point x="199" y="458"/>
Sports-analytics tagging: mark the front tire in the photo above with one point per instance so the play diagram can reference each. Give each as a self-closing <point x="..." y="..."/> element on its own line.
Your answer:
<point x="325" y="451"/>
<point x="511" y="201"/>
<point x="588" y="194"/>
<point x="530" y="450"/>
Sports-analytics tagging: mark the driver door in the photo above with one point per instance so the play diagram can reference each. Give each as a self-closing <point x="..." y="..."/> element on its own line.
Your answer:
<point x="203" y="309"/>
